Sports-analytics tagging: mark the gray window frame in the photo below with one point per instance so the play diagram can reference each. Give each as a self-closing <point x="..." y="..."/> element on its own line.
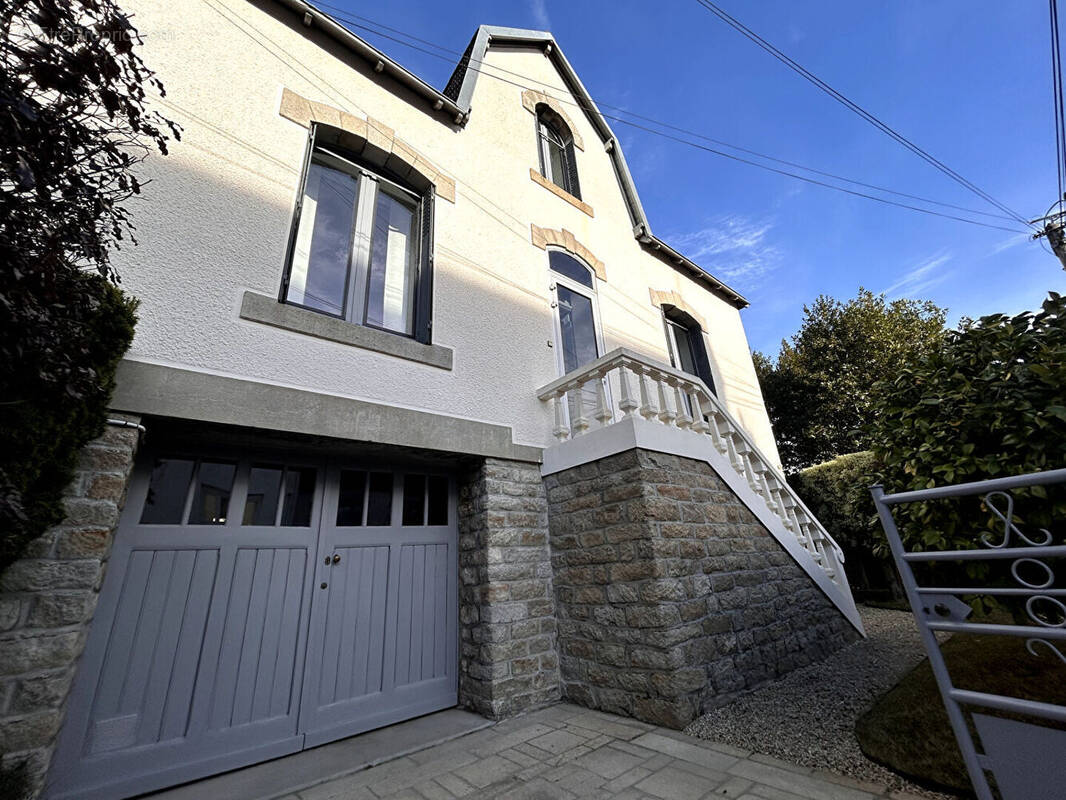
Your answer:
<point x="357" y="284"/>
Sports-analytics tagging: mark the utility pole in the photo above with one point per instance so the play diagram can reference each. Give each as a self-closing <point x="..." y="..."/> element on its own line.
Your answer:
<point x="1054" y="228"/>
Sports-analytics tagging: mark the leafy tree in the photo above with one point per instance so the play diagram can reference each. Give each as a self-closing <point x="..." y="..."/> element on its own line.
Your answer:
<point x="818" y="391"/>
<point x="73" y="125"/>
<point x="990" y="403"/>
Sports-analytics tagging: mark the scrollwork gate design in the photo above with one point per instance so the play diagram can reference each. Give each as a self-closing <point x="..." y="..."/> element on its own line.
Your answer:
<point x="1027" y="760"/>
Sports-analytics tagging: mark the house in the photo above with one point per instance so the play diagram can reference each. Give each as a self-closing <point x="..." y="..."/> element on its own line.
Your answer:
<point x="420" y="413"/>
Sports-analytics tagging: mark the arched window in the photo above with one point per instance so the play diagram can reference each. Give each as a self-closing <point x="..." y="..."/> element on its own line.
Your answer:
<point x="557" y="162"/>
<point x="688" y="353"/>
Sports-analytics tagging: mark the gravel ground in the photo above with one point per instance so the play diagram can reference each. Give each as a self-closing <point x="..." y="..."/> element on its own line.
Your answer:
<point x="808" y="717"/>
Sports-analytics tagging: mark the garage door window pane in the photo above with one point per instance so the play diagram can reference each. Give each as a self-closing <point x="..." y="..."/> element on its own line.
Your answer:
<point x="214" y="484"/>
<point x="438" y="500"/>
<point x="350" y="503"/>
<point x="414" y="500"/>
<point x="299" y="497"/>
<point x="264" y="487"/>
<point x="379" y="503"/>
<point x="167" y="489"/>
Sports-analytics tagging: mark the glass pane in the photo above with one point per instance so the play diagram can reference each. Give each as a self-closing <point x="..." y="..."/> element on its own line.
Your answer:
<point x="264" y="488"/>
<point x="414" y="500"/>
<point x="686" y="360"/>
<point x="352" y="491"/>
<point x="557" y="166"/>
<point x="390" y="287"/>
<point x="299" y="497"/>
<point x="578" y="330"/>
<point x="167" y="490"/>
<point x="570" y="267"/>
<point x="214" y="483"/>
<point x="379" y="503"/>
<point x="319" y="275"/>
<point x="438" y="500"/>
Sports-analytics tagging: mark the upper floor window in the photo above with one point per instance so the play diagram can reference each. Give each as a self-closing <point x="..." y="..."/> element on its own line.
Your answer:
<point x="557" y="162"/>
<point x="684" y="338"/>
<point x="360" y="246"/>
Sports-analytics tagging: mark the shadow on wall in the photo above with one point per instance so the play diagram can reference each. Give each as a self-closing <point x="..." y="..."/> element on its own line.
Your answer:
<point x="226" y="230"/>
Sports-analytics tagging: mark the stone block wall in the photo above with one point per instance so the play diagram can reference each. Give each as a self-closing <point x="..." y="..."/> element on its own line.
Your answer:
<point x="508" y="655"/>
<point x="672" y="597"/>
<point x="48" y="597"/>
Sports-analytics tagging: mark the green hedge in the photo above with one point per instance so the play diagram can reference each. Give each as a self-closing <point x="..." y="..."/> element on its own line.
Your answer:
<point x="44" y="425"/>
<point x="990" y="403"/>
<point x="838" y="493"/>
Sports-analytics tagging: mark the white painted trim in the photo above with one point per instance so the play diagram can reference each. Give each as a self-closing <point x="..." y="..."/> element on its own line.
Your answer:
<point x="636" y="432"/>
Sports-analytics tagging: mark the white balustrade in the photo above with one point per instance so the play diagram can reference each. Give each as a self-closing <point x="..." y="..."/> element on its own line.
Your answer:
<point x="676" y="399"/>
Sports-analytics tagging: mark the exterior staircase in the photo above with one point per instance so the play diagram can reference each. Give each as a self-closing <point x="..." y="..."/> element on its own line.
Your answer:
<point x="625" y="400"/>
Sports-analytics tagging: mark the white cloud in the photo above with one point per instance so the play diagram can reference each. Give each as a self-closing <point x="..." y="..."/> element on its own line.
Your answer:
<point x="1009" y="242"/>
<point x="922" y="276"/>
<point x="732" y="248"/>
<point x="539" y="10"/>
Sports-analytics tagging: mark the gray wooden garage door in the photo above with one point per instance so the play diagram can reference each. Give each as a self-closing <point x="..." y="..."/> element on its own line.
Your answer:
<point x="254" y="607"/>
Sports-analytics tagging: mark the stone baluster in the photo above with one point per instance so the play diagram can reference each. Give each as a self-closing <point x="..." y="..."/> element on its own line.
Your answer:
<point x="699" y="424"/>
<point x="580" y="423"/>
<point x="626" y="403"/>
<point x="603" y="409"/>
<point x="648" y="409"/>
<point x="561" y="429"/>
<point x="726" y="431"/>
<point x="683" y="418"/>
<point x="666" y="413"/>
<point x="716" y="434"/>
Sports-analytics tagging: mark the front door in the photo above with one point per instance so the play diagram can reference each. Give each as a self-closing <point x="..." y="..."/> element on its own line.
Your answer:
<point x="250" y="610"/>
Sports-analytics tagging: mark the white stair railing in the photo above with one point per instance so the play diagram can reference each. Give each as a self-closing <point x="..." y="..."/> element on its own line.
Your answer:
<point x="659" y="393"/>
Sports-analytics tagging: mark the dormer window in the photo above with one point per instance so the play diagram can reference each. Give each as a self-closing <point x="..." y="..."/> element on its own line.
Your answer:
<point x="557" y="162"/>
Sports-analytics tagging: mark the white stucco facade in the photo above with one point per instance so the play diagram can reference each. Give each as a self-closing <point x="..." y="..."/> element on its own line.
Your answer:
<point x="214" y="223"/>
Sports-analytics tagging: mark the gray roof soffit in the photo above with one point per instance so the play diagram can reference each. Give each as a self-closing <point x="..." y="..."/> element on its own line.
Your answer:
<point x="458" y="108"/>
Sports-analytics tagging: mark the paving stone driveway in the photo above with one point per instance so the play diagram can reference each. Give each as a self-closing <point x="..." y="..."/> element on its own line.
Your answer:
<point x="566" y="751"/>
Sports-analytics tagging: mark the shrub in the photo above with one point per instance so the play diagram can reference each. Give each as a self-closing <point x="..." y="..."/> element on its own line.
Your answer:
<point x="43" y="427"/>
<point x="74" y="123"/>
<point x="990" y="403"/>
<point x="838" y="493"/>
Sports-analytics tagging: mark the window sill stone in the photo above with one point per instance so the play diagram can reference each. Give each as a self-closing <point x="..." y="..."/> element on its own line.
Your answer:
<point x="267" y="310"/>
<point x="558" y="192"/>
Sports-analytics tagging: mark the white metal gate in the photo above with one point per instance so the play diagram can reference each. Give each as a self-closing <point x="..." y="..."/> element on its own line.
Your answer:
<point x="1020" y="751"/>
<point x="254" y="606"/>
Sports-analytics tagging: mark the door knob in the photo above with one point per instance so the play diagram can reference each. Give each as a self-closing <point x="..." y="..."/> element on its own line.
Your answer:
<point x="336" y="557"/>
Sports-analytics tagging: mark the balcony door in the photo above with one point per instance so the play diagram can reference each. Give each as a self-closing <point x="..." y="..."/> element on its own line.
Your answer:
<point x="578" y="337"/>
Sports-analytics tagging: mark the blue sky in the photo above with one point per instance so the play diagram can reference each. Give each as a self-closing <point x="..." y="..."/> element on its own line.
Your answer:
<point x="968" y="82"/>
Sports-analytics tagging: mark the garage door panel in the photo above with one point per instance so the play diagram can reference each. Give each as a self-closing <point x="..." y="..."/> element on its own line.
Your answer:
<point x="421" y="635"/>
<point x="158" y="607"/>
<point x="256" y="656"/>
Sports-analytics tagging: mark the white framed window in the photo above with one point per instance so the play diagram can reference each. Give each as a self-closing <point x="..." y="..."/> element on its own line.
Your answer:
<point x="360" y="246"/>
<point x="578" y="335"/>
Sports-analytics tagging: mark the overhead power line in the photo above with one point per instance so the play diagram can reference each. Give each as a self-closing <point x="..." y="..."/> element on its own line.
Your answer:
<point x="347" y="17"/>
<point x="862" y="112"/>
<point x="342" y="17"/>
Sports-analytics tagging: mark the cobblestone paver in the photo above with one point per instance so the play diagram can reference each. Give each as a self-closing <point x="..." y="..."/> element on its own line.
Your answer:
<point x="566" y="752"/>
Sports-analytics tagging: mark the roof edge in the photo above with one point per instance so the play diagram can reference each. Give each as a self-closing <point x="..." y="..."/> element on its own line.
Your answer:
<point x="437" y="100"/>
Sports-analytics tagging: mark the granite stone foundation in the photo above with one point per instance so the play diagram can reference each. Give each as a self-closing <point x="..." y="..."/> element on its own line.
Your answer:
<point x="672" y="597"/>
<point x="47" y="600"/>
<point x="508" y="653"/>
